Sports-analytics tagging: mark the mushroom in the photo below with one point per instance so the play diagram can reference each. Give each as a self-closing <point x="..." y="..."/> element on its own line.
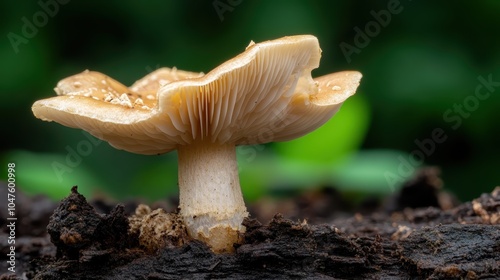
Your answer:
<point x="264" y="94"/>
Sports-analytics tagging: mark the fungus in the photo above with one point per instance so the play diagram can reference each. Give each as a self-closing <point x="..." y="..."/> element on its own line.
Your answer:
<point x="265" y="94"/>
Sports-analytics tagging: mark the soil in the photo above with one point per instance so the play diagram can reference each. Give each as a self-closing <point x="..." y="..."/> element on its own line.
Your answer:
<point x="421" y="232"/>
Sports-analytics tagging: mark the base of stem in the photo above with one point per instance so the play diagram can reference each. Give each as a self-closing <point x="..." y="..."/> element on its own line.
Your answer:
<point x="211" y="203"/>
<point x="221" y="238"/>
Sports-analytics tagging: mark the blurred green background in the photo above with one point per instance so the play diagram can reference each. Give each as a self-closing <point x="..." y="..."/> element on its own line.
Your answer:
<point x="422" y="62"/>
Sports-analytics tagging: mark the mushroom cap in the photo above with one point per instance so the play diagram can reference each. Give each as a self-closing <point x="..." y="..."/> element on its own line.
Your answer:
<point x="264" y="94"/>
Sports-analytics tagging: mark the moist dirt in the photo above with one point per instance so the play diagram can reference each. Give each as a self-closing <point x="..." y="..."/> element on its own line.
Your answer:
<point x="421" y="232"/>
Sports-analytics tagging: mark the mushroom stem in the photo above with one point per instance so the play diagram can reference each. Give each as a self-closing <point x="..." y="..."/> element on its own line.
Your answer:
<point x="211" y="203"/>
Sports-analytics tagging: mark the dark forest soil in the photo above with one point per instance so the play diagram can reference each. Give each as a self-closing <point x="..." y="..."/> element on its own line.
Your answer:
<point x="419" y="233"/>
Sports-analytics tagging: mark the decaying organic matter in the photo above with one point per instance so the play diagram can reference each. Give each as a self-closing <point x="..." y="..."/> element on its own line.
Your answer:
<point x="412" y="243"/>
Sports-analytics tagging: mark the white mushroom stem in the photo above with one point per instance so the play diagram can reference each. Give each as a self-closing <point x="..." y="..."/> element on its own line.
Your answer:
<point x="211" y="203"/>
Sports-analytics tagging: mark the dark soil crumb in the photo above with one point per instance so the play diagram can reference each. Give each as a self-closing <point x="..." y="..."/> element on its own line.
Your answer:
<point x="432" y="241"/>
<point x="32" y="243"/>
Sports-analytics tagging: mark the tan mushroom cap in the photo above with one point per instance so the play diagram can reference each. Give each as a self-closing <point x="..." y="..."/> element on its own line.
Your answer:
<point x="264" y="94"/>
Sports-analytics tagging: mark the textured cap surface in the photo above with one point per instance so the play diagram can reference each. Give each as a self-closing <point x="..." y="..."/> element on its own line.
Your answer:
<point x="264" y="94"/>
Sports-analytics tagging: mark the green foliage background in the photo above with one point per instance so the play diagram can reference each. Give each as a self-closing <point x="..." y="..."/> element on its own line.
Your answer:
<point x="424" y="62"/>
